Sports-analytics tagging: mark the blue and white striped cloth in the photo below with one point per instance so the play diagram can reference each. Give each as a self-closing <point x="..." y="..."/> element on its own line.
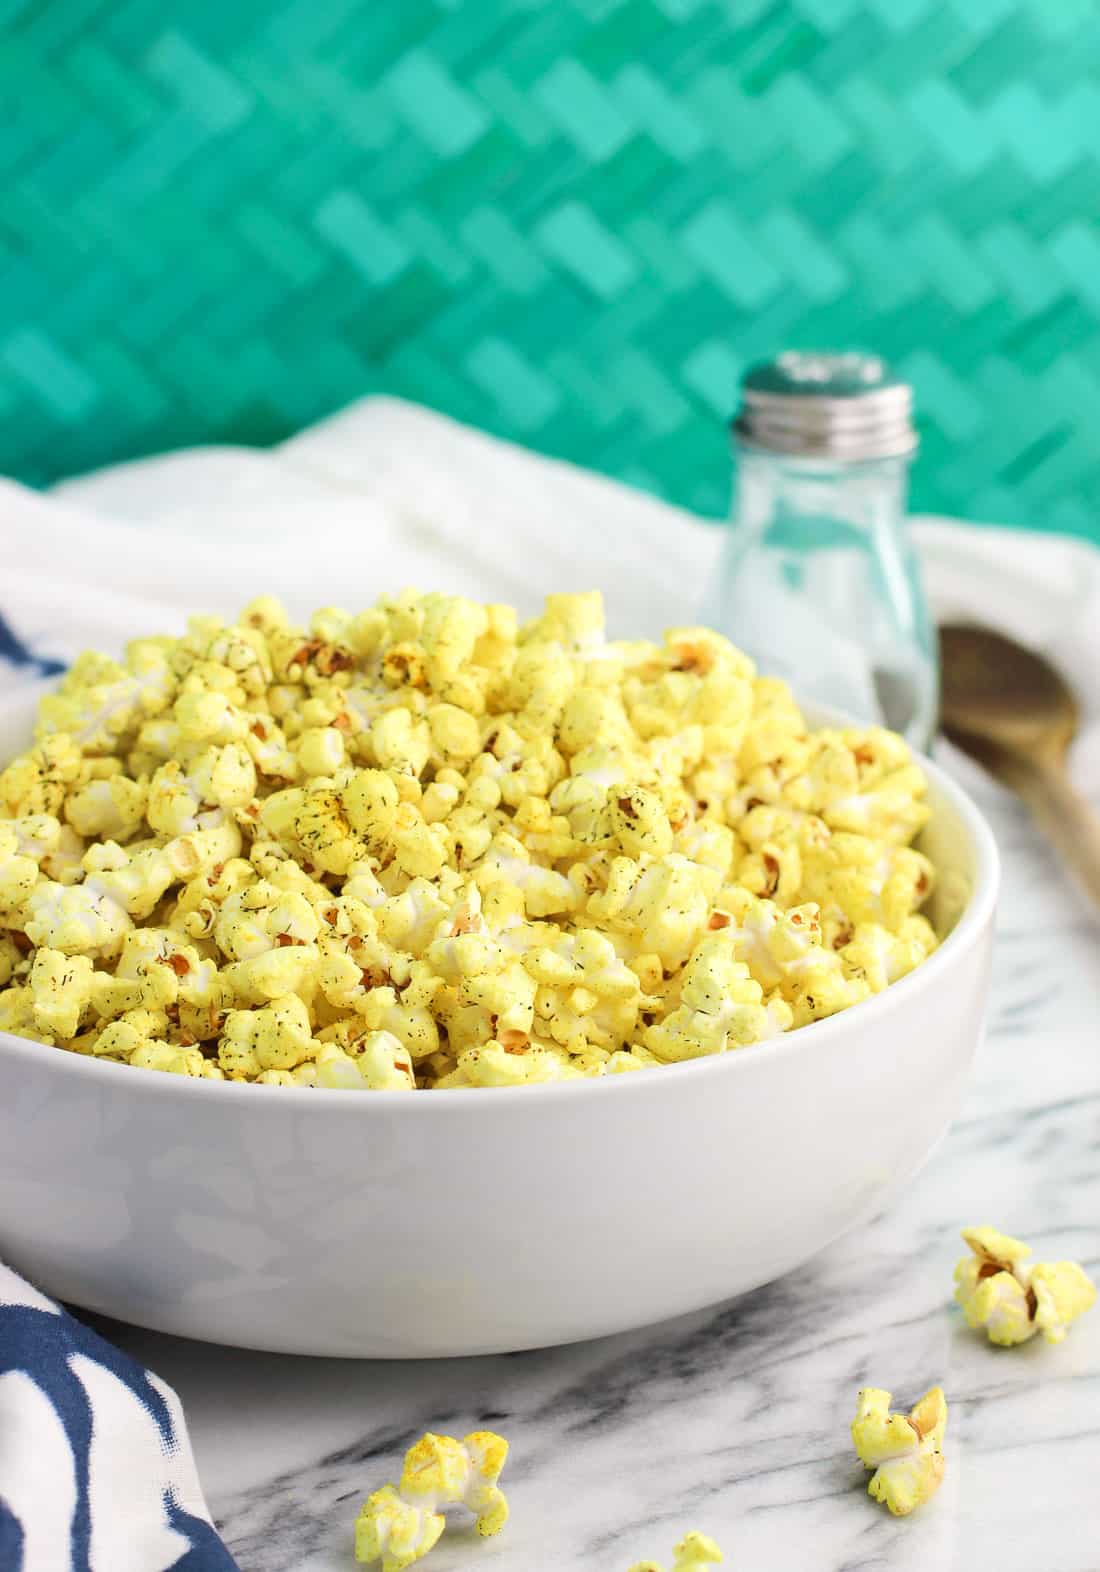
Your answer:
<point x="96" y="1471"/>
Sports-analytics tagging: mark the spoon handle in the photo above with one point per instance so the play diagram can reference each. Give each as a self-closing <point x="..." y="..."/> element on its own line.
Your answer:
<point x="1068" y="819"/>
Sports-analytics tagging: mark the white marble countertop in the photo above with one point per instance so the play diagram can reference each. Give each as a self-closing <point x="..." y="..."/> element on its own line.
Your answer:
<point x="735" y="1421"/>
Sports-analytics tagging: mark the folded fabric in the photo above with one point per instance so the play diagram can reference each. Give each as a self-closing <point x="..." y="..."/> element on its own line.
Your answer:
<point x="96" y="1471"/>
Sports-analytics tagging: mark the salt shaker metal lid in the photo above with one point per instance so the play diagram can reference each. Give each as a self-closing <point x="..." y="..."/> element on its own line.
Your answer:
<point x="843" y="407"/>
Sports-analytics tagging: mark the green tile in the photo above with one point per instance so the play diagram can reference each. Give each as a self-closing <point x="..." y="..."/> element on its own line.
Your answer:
<point x="645" y="100"/>
<point x="520" y="389"/>
<point x="574" y="238"/>
<point x="62" y="387"/>
<point x="729" y="256"/>
<point x="428" y="99"/>
<point x="213" y="96"/>
<point x="713" y="372"/>
<point x="574" y="221"/>
<point x="348" y="223"/>
<point x="121" y="96"/>
<point x="583" y="109"/>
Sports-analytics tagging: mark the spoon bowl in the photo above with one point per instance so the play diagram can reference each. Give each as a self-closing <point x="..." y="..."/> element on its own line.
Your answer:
<point x="1013" y="712"/>
<point x="997" y="689"/>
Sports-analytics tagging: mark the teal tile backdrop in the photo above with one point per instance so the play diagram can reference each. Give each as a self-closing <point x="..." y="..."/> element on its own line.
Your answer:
<point x="570" y="221"/>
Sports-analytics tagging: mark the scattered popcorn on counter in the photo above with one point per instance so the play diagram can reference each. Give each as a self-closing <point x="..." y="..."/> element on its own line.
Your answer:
<point x="905" y="1450"/>
<point x="424" y="847"/>
<point x="694" y="1553"/>
<point x="1013" y="1298"/>
<point x="399" y="1526"/>
<point x="389" y="1530"/>
<point x="440" y="1471"/>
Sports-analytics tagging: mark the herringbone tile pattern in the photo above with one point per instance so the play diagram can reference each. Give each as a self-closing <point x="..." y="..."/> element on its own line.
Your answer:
<point x="571" y="221"/>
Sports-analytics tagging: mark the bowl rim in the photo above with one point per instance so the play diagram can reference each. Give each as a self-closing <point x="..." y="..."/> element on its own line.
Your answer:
<point x="818" y="1035"/>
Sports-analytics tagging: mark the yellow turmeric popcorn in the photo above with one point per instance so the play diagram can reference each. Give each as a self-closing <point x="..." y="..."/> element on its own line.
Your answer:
<point x="400" y="1525"/>
<point x="390" y="1530"/>
<point x="695" y="1553"/>
<point x="1011" y="1297"/>
<point x="445" y="1472"/>
<point x="423" y="846"/>
<point x="905" y="1450"/>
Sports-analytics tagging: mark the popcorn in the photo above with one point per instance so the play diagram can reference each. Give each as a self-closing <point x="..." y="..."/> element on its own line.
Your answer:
<point x="134" y="879"/>
<point x="855" y="879"/>
<point x="389" y="1530"/>
<point x="638" y="822"/>
<point x="275" y="1037"/>
<point x="66" y="862"/>
<point x="456" y="735"/>
<point x="694" y="1553"/>
<point x="99" y="701"/>
<point x="217" y="778"/>
<point x="440" y="1471"/>
<point x="157" y="1055"/>
<point x="37" y="835"/>
<point x="384" y="1063"/>
<point x="18" y="874"/>
<point x="721" y="1007"/>
<point x="661" y="906"/>
<point x="78" y="919"/>
<point x="546" y="893"/>
<point x="905" y="1450"/>
<point x="881" y="957"/>
<point x="585" y="959"/>
<point x="495" y="1064"/>
<point x="420" y="847"/>
<point x="11" y="959"/>
<point x="109" y="807"/>
<point x="61" y="990"/>
<point x="780" y="947"/>
<point x="1012" y="1297"/>
<point x="254" y="920"/>
<point x="17" y="1014"/>
<point x="38" y="781"/>
<point x="399" y="1526"/>
<point x="400" y="742"/>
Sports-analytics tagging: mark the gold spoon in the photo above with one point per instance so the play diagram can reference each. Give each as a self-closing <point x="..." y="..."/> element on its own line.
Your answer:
<point x="1015" y="714"/>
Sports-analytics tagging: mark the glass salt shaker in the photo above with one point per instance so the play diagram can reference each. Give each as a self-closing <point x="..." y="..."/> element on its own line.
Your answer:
<point x="819" y="581"/>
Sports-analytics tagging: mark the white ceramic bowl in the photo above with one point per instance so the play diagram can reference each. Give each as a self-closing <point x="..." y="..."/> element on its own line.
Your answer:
<point x="390" y="1225"/>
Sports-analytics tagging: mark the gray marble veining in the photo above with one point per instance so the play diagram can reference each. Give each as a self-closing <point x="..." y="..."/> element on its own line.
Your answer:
<point x="736" y="1420"/>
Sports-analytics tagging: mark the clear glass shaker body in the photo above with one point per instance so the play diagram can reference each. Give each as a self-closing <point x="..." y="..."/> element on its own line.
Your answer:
<point x="820" y="585"/>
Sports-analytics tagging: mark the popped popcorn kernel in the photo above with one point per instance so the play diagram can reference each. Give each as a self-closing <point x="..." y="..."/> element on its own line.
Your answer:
<point x="40" y="780"/>
<point x="112" y="807"/>
<point x="61" y="991"/>
<point x="385" y="1064"/>
<point x="18" y="874"/>
<point x="275" y="1037"/>
<point x="389" y="1530"/>
<point x="695" y="1553"/>
<point x="424" y="847"/>
<point x="1002" y="1291"/>
<point x="400" y="1525"/>
<point x="77" y="919"/>
<point x="722" y="1007"/>
<point x="440" y="1471"/>
<point x="904" y="1450"/>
